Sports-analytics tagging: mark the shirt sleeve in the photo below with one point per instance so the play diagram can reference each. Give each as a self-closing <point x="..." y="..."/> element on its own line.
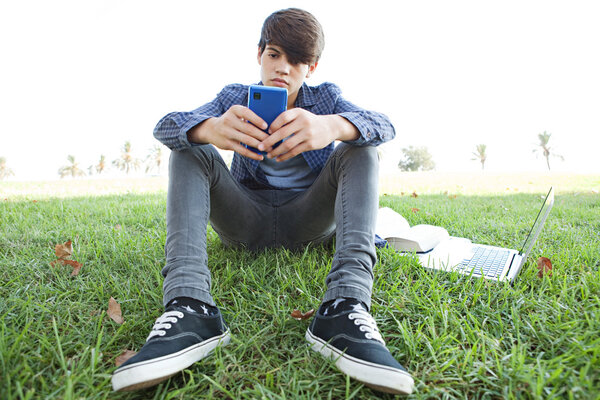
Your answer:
<point x="172" y="129"/>
<point x="375" y="128"/>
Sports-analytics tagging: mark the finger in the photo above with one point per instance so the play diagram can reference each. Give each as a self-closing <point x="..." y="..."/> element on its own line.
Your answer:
<point x="278" y="135"/>
<point x="246" y="128"/>
<point x="291" y="143"/>
<point x="246" y="139"/>
<point x="244" y="151"/>
<point x="292" y="153"/>
<point x="248" y="115"/>
<point x="282" y="119"/>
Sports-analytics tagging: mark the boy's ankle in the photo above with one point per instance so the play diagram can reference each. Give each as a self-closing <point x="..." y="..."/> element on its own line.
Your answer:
<point x="341" y="304"/>
<point x="193" y="305"/>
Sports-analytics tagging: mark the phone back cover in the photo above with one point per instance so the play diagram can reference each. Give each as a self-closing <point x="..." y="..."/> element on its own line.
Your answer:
<point x="269" y="103"/>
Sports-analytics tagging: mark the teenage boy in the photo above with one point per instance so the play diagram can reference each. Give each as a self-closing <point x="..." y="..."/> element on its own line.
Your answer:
<point x="303" y="191"/>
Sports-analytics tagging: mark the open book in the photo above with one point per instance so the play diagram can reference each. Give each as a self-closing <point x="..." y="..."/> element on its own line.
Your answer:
<point x="394" y="228"/>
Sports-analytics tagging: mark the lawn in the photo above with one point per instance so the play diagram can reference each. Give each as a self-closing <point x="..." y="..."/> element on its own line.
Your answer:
<point x="460" y="338"/>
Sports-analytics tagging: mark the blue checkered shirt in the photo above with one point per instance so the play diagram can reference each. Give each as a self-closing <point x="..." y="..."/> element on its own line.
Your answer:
<point x="325" y="99"/>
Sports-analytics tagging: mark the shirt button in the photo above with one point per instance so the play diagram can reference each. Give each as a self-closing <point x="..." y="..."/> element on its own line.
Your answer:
<point x="368" y="134"/>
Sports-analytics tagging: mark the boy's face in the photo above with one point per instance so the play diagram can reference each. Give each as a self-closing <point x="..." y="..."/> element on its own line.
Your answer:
<point x="276" y="70"/>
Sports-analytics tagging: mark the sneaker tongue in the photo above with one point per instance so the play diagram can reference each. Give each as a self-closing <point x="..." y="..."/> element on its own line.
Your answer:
<point x="341" y="305"/>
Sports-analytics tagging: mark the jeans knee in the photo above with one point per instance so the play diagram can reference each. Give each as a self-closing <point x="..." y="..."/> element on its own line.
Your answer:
<point x="366" y="156"/>
<point x="202" y="157"/>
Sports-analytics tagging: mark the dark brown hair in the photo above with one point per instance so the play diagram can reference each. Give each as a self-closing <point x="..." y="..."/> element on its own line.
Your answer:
<point x="297" y="32"/>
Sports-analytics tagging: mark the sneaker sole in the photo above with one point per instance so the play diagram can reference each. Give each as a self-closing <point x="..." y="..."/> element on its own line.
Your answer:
<point x="379" y="377"/>
<point x="151" y="372"/>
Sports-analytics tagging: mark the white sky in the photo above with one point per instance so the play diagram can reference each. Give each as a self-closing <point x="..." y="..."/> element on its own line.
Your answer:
<point x="82" y="77"/>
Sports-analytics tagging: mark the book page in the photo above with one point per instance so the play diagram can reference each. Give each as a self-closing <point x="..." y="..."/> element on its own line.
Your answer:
<point x="419" y="238"/>
<point x="447" y="254"/>
<point x="390" y="223"/>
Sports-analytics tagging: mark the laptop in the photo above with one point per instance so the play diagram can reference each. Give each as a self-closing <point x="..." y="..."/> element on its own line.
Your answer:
<point x="488" y="262"/>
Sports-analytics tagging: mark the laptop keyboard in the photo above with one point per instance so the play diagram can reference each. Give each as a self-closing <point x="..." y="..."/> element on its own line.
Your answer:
<point x="486" y="262"/>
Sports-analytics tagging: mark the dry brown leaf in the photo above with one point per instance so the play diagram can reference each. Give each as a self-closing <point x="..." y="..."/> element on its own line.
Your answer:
<point x="544" y="267"/>
<point x="414" y="194"/>
<point x="64" y="250"/>
<point x="452" y="196"/>
<point x="415" y="210"/>
<point x="114" y="311"/>
<point x="124" y="356"/>
<point x="76" y="266"/>
<point x="297" y="314"/>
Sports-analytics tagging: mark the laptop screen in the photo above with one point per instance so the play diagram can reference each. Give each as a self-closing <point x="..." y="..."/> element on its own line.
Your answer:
<point x="538" y="224"/>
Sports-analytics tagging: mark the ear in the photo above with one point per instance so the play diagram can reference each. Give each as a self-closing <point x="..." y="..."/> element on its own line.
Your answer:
<point x="259" y="55"/>
<point x="311" y="69"/>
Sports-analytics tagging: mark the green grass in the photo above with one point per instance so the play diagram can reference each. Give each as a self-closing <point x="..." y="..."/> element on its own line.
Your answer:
<point x="459" y="338"/>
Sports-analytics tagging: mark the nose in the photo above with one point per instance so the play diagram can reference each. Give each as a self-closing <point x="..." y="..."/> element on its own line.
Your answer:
<point x="282" y="66"/>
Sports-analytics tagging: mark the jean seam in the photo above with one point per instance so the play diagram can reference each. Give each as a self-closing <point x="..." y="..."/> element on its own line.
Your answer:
<point x="344" y="202"/>
<point x="275" y="203"/>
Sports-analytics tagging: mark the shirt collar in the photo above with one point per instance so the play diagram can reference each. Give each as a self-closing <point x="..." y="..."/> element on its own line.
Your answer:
<point x="306" y="97"/>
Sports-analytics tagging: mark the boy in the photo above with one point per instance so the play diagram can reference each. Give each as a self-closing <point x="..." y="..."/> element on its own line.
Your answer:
<point x="303" y="191"/>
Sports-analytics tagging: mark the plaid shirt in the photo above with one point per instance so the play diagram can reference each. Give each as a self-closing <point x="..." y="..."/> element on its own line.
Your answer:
<point x="325" y="99"/>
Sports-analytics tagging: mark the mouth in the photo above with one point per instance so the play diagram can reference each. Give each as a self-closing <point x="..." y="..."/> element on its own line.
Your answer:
<point x="279" y="82"/>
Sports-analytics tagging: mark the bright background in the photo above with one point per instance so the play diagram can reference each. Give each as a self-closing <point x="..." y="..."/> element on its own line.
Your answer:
<point x="82" y="77"/>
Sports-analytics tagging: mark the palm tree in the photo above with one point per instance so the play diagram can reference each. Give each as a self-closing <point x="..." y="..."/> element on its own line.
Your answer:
<point x="127" y="162"/>
<point x="5" y="172"/>
<point x="480" y="155"/>
<point x="72" y="169"/>
<point x="544" y="148"/>
<point x="101" y="166"/>
<point x="154" y="159"/>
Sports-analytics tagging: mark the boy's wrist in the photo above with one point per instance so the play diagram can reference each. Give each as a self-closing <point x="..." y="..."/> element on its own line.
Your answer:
<point x="346" y="131"/>
<point x="198" y="134"/>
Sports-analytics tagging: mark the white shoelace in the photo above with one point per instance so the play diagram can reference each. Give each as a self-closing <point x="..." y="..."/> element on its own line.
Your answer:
<point x="366" y="324"/>
<point x="163" y="323"/>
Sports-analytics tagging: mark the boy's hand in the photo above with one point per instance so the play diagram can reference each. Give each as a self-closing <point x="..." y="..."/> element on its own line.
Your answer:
<point x="227" y="131"/>
<point x="305" y="131"/>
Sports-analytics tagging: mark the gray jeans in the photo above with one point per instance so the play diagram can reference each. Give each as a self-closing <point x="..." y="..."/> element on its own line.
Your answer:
<point x="343" y="201"/>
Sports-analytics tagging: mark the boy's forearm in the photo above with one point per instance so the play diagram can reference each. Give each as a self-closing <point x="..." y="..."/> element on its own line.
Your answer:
<point x="200" y="133"/>
<point x="345" y="130"/>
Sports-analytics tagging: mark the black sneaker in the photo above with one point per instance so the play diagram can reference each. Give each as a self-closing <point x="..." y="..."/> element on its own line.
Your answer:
<point x="179" y="338"/>
<point x="350" y="337"/>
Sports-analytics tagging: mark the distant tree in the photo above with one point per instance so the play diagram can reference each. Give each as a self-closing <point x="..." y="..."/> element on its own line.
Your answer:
<point x="480" y="155"/>
<point x="544" y="148"/>
<point x="5" y="172"/>
<point x="101" y="166"/>
<point x="154" y="159"/>
<point x="416" y="159"/>
<point x="71" y="169"/>
<point x="127" y="161"/>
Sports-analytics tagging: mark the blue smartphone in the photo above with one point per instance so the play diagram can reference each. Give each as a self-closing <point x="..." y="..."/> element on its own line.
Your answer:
<point x="267" y="102"/>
